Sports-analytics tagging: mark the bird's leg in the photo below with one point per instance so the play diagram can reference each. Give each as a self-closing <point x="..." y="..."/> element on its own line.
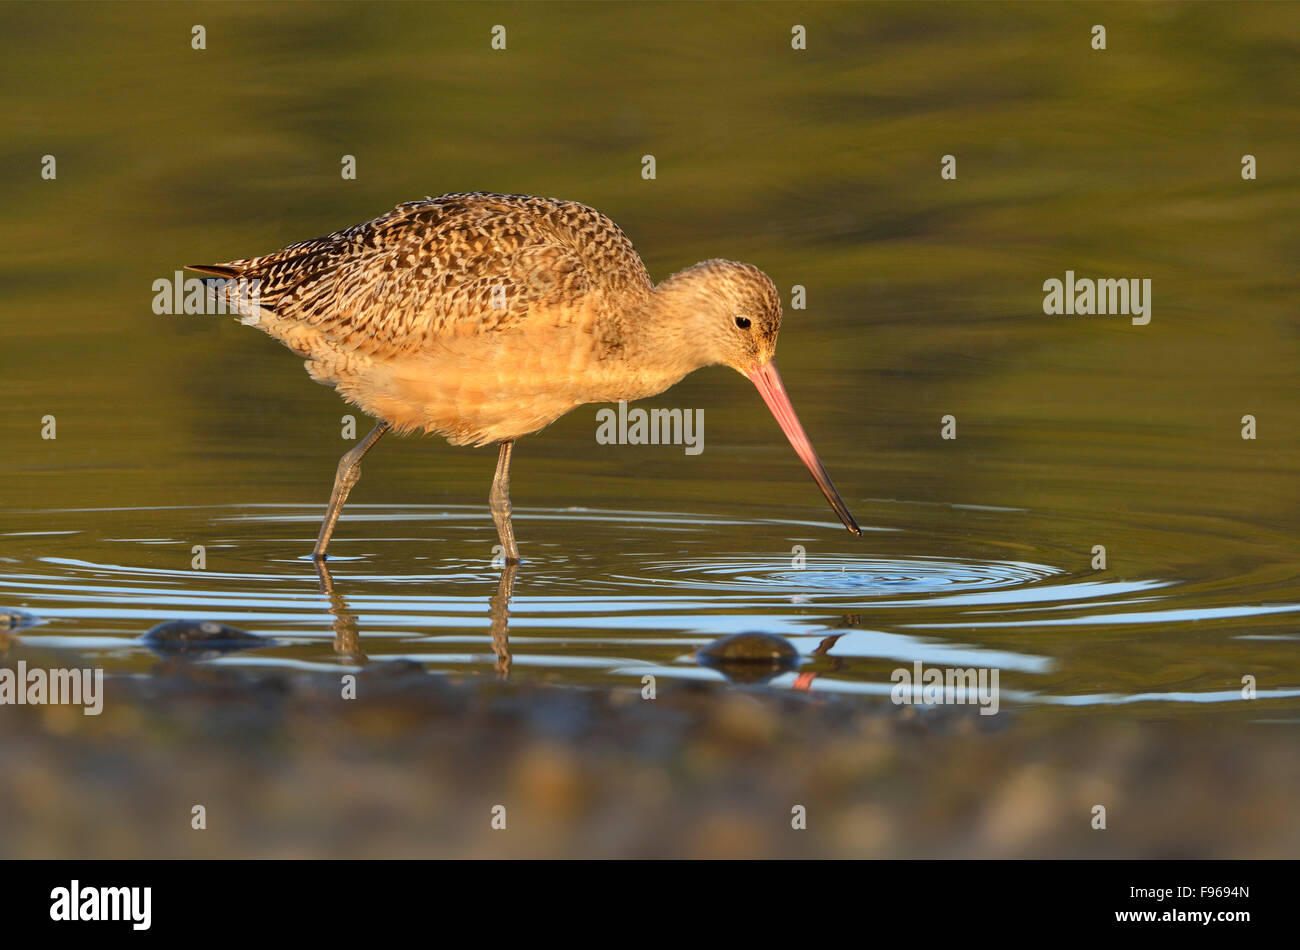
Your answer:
<point x="499" y="502"/>
<point x="348" y="474"/>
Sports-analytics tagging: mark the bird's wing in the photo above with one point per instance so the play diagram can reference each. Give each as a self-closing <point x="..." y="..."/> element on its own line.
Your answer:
<point x="453" y="266"/>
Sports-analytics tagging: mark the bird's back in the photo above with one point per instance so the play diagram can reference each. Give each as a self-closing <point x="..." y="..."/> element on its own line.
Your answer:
<point x="452" y="266"/>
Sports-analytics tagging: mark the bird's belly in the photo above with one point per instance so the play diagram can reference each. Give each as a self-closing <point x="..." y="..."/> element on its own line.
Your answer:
<point x="490" y="388"/>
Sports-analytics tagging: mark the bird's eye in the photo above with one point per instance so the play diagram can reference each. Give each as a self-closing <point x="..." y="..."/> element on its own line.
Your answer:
<point x="742" y="322"/>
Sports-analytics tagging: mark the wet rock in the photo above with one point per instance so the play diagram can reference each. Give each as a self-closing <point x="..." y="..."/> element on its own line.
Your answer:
<point x="11" y="621"/>
<point x="548" y="777"/>
<point x="729" y="836"/>
<point x="741" y="721"/>
<point x="1029" y="806"/>
<point x="750" y="657"/>
<point x="200" y="639"/>
<point x="863" y="830"/>
<point x="395" y="669"/>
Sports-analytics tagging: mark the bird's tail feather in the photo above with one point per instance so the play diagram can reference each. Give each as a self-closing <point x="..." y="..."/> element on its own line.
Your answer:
<point x="216" y="270"/>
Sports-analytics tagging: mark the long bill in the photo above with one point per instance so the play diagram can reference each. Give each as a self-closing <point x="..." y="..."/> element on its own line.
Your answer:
<point x="768" y="382"/>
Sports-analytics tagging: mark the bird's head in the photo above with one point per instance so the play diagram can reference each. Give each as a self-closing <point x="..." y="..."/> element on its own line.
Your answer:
<point x="733" y="316"/>
<point x="734" y="312"/>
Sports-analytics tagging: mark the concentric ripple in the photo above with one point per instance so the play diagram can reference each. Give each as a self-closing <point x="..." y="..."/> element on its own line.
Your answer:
<point x="861" y="577"/>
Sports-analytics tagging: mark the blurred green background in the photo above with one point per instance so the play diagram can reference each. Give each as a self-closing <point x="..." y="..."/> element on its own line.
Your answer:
<point x="821" y="166"/>
<point x="924" y="296"/>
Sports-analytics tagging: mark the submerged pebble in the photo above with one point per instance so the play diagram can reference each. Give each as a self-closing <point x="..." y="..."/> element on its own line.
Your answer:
<point x="13" y="620"/>
<point x="395" y="669"/>
<point x="750" y="657"/>
<point x="200" y="638"/>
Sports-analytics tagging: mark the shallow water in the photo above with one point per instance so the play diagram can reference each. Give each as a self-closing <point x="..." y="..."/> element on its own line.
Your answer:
<point x="924" y="299"/>
<point x="408" y="583"/>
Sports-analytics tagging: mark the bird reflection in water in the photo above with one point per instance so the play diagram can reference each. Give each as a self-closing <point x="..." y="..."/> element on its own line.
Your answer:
<point x="347" y="635"/>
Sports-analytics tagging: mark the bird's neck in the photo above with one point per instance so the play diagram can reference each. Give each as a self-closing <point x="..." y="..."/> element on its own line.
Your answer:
<point x="671" y="333"/>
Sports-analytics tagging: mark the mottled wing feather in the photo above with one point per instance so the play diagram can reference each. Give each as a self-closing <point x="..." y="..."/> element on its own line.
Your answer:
<point x="457" y="265"/>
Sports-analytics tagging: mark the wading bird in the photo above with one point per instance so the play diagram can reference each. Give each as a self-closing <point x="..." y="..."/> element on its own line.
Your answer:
<point x="486" y="317"/>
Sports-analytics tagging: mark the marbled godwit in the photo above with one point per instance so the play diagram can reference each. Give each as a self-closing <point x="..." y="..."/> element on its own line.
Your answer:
<point x="486" y="317"/>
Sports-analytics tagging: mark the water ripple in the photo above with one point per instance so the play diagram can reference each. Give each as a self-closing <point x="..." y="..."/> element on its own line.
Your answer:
<point x="607" y="596"/>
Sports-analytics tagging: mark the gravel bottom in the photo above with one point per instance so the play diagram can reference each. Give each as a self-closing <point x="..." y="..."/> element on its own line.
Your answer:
<point x="422" y="765"/>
